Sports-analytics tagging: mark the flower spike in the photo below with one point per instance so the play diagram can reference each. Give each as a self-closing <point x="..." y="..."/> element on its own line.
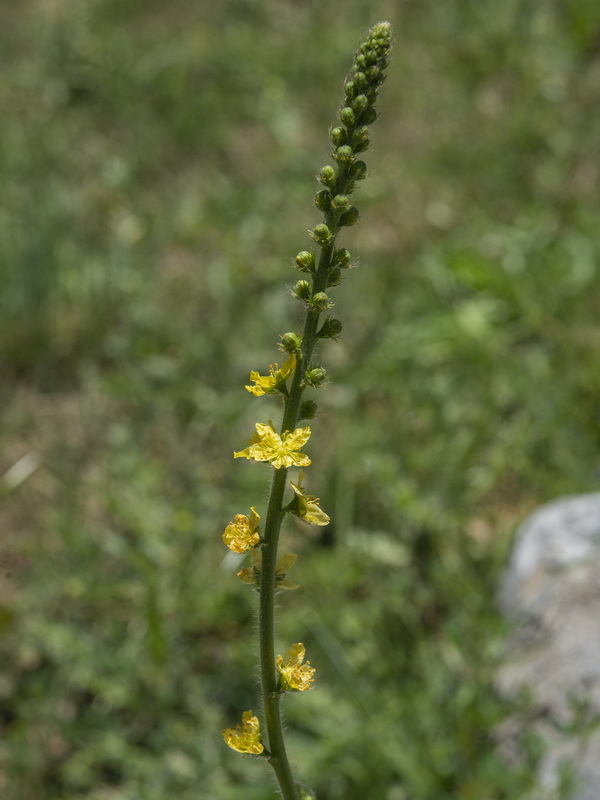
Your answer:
<point x="321" y="273"/>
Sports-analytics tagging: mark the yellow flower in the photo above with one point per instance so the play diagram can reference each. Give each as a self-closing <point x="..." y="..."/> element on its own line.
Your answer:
<point x="245" y="738"/>
<point x="242" y="534"/>
<point x="284" y="564"/>
<point x="307" y="505"/>
<point x="281" y="451"/>
<point x="269" y="384"/>
<point x="292" y="673"/>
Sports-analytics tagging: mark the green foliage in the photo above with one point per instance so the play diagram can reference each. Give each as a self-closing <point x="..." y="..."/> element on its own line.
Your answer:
<point x="155" y="160"/>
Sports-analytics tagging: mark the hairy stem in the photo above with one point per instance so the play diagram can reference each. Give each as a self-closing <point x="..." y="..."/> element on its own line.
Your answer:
<point x="278" y="755"/>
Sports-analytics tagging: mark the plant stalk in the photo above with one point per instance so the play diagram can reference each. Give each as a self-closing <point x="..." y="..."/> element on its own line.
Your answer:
<point x="360" y="95"/>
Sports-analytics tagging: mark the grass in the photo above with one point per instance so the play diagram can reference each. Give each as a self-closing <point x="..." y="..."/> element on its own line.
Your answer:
<point x="157" y="165"/>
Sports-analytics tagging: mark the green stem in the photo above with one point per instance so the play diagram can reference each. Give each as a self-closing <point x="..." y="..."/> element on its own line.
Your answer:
<point x="271" y="697"/>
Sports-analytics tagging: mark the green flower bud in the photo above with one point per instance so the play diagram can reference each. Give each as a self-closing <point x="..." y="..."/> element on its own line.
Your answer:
<point x="340" y="203"/>
<point x="342" y="257"/>
<point x="369" y="116"/>
<point x="315" y="377"/>
<point x="305" y="261"/>
<point x="321" y="301"/>
<point x="360" y="139"/>
<point x="358" y="170"/>
<point x="302" y="290"/>
<point x="350" y="89"/>
<point x="350" y="217"/>
<point x="321" y="234"/>
<point x="334" y="277"/>
<point x="331" y="329"/>
<point x="304" y="793"/>
<point x="323" y="200"/>
<point x="360" y="104"/>
<point x="373" y="74"/>
<point x="308" y="409"/>
<point x="347" y="116"/>
<point x="327" y="176"/>
<point x="360" y="79"/>
<point x="290" y="342"/>
<point x="382" y="34"/>
<point x="338" y="136"/>
<point x="343" y="154"/>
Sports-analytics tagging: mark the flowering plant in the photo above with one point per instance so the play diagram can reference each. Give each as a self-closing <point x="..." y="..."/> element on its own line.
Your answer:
<point x="290" y="673"/>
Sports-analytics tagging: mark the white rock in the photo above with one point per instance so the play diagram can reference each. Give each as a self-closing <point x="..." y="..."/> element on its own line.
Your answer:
<point x="552" y="591"/>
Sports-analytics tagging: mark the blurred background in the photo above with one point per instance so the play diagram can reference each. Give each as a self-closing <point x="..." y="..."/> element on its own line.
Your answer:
<point x="157" y="163"/>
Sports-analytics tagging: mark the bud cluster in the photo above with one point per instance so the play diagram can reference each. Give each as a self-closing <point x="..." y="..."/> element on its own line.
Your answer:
<point x="350" y="138"/>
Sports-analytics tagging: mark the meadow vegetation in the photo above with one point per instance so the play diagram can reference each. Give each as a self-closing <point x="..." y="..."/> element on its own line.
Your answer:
<point x="157" y="163"/>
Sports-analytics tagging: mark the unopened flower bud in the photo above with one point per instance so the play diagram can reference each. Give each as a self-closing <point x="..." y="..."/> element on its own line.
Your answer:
<point x="308" y="410"/>
<point x="369" y="115"/>
<point x="304" y="793"/>
<point x="360" y="104"/>
<point x="358" y="170"/>
<point x="360" y="139"/>
<point x="290" y="342"/>
<point x="302" y="290"/>
<point x="342" y="257"/>
<point x="350" y="89"/>
<point x="373" y="74"/>
<point x="331" y="329"/>
<point x="305" y="261"/>
<point x="347" y="116"/>
<point x="327" y="175"/>
<point x="321" y="301"/>
<point x="323" y="200"/>
<point x="338" y="136"/>
<point x="315" y="377"/>
<point x="350" y="217"/>
<point x="321" y="234"/>
<point x="343" y="154"/>
<point x="360" y="79"/>
<point x="340" y="203"/>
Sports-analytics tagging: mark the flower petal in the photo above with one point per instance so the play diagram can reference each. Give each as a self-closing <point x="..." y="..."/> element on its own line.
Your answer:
<point x="294" y="440"/>
<point x="284" y="563"/>
<point x="294" y="656"/>
<point x="254" y="518"/>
